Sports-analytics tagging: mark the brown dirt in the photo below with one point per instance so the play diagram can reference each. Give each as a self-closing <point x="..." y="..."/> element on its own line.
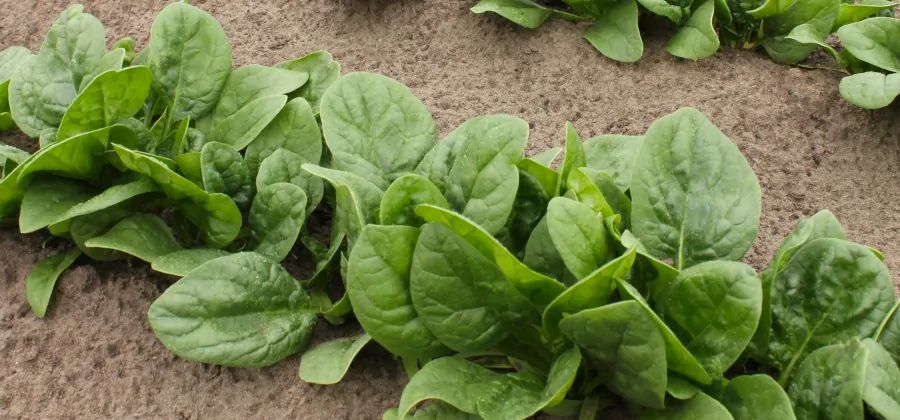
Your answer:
<point x="95" y="356"/>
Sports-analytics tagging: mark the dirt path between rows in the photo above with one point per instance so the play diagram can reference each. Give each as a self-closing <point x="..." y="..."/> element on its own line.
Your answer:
<point x="95" y="356"/>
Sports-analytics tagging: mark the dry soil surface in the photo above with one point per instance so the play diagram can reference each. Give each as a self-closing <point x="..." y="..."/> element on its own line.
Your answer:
<point x="95" y="356"/>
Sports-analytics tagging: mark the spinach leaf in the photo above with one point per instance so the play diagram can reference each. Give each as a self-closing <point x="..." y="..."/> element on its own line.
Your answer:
<point x="375" y="127"/>
<point x="874" y="41"/>
<point x="674" y="12"/>
<point x="819" y="14"/>
<point x="242" y="127"/>
<point x="244" y="86"/>
<point x="547" y="178"/>
<point x="142" y="235"/>
<point x="42" y="278"/>
<point x="13" y="154"/>
<point x="436" y="410"/>
<point x="47" y="198"/>
<point x="625" y="344"/>
<point x="223" y="171"/>
<point x="11" y="58"/>
<point x="579" y="235"/>
<point x="700" y="406"/>
<point x="574" y="157"/>
<point x="881" y="391"/>
<point x="182" y="262"/>
<point x="697" y="38"/>
<point x="241" y="310"/>
<point x="276" y="218"/>
<point x="293" y="129"/>
<point x="459" y="294"/>
<point x="327" y="363"/>
<point x="547" y="157"/>
<point x="542" y="256"/>
<point x="357" y="200"/>
<point x="855" y="12"/>
<point x="750" y="397"/>
<point x="525" y="13"/>
<point x="829" y="382"/>
<point x="286" y="166"/>
<point x="108" y="98"/>
<point x="582" y="188"/>
<point x="889" y="336"/>
<point x="403" y="195"/>
<point x="830" y="291"/>
<point x="615" y="33"/>
<point x="378" y="275"/>
<point x="614" y="155"/>
<point x="694" y="196"/>
<point x="322" y="70"/>
<point x="83" y="228"/>
<point x="538" y="288"/>
<point x="190" y="57"/>
<point x="870" y="90"/>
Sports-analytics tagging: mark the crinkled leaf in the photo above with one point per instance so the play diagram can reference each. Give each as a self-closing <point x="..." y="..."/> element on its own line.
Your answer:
<point x="829" y="382"/>
<point x="286" y="166"/>
<point x="276" y="218"/>
<point x="751" y="397"/>
<point x="223" y="171"/>
<point x="403" y="195"/>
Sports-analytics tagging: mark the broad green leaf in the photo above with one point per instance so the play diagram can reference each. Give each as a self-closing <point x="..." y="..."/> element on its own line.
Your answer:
<point x="182" y="262"/>
<point x="819" y="14"/>
<point x="574" y="157"/>
<point x="525" y="13"/>
<point x="326" y="259"/>
<point x="246" y="84"/>
<point x="403" y="195"/>
<point x="460" y="295"/>
<point x="190" y="57"/>
<point x="582" y="187"/>
<point x="357" y="200"/>
<point x="108" y="98"/>
<point x="619" y="203"/>
<point x="327" y="363"/>
<point x="528" y="209"/>
<point x="83" y="228"/>
<point x="282" y="165"/>
<point x="681" y="389"/>
<point x="700" y="406"/>
<point x="476" y="390"/>
<point x="542" y="256"/>
<point x="852" y="13"/>
<point x="108" y="198"/>
<point x="547" y="157"/>
<point x="11" y="58"/>
<point x="378" y="273"/>
<point x="241" y="310"/>
<point x="829" y="382"/>
<point x="242" y="127"/>
<point x="223" y="171"/>
<point x="697" y="39"/>
<point x="890" y="334"/>
<point x="546" y="177"/>
<point x="871" y="90"/>
<point x="808" y="34"/>
<point x="276" y="218"/>
<point x="142" y="235"/>
<point x="714" y="308"/>
<point x="771" y="8"/>
<point x="294" y="129"/>
<point x="616" y="34"/>
<point x="436" y="410"/>
<point x="42" y="278"/>
<point x="881" y="391"/>
<point x="590" y="292"/>
<point x="111" y="61"/>
<point x="874" y="41"/>
<point x="830" y="291"/>
<point x="666" y="8"/>
<point x="375" y="127"/>
<point x="322" y="70"/>
<point x="216" y="215"/>
<point x="694" y="196"/>
<point x="751" y="397"/>
<point x="626" y="346"/>
<point x="615" y="155"/>
<point x="538" y="288"/>
<point x="579" y="235"/>
<point x="47" y="198"/>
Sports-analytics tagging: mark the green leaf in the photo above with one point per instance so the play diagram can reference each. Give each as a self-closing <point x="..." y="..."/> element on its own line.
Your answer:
<point x="108" y="98"/>
<point x="293" y="129"/>
<point x="881" y="391"/>
<point x="276" y="218"/>
<point x="547" y="157"/>
<point x="829" y="382"/>
<point x="771" y="8"/>
<point x="459" y="294"/>
<point x="375" y="127"/>
<point x="182" y="262"/>
<point x="890" y="334"/>
<point x="690" y="177"/>
<point x="286" y="166"/>
<point x="751" y="397"/>
<point x="190" y="57"/>
<point x="579" y="235"/>
<point x="322" y="70"/>
<point x="574" y="157"/>
<point x="223" y="171"/>
<point x="403" y="195"/>
<point x="11" y="58"/>
<point x="83" y="228"/>
<point x="538" y="288"/>
<point x="525" y="13"/>
<point x="616" y="34"/>
<point x="542" y="256"/>
<point x="142" y="235"/>
<point x="241" y="310"/>
<point x="852" y="13"/>
<point x="358" y="200"/>
<point x="714" y="308"/>
<point x="216" y="215"/>
<point x="42" y="278"/>
<point x="871" y="90"/>
<point x="378" y="273"/>
<point x="46" y="199"/>
<point x="327" y="363"/>
<point x="700" y="406"/>
<point x="613" y="155"/>
<point x="807" y="34"/>
<point x="242" y="127"/>
<point x="625" y="344"/>
<point x="582" y="187"/>
<point x="247" y="84"/>
<point x="819" y="14"/>
<point x="108" y="198"/>
<point x="874" y="41"/>
<point x="13" y="153"/>
<point x="545" y="177"/>
<point x="697" y="39"/>
<point x="111" y="61"/>
<point x="673" y="12"/>
<point x="830" y="291"/>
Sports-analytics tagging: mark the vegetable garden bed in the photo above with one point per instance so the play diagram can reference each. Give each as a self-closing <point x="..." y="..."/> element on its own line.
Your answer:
<point x="809" y="150"/>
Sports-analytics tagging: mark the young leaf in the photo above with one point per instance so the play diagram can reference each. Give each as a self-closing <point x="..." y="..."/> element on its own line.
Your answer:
<point x="286" y="166"/>
<point x="42" y="278"/>
<point x="579" y="235"/>
<point x="547" y="157"/>
<point x="247" y="84"/>
<point x="357" y="200"/>
<point x="142" y="235"/>
<point x="322" y="70"/>
<point x="108" y="98"/>
<point x="697" y="39"/>
<point x="242" y="127"/>
<point x="574" y="157"/>
<point x="819" y="14"/>
<point x="276" y="218"/>
<point x="870" y="90"/>
<point x="525" y="13"/>
<point x="190" y="58"/>
<point x="378" y="273"/>
<point x="375" y="127"/>
<point x="47" y="198"/>
<point x="688" y="178"/>
<point x="108" y="198"/>
<point x="874" y="41"/>
<point x="616" y="34"/>
<point x="328" y="362"/>
<point x="223" y="171"/>
<point x="829" y="382"/>
<point x="241" y="310"/>
<point x="293" y="129"/>
<point x="182" y="262"/>
<point x="542" y="256"/>
<point x="625" y="344"/>
<point x="401" y="198"/>
<point x="750" y="397"/>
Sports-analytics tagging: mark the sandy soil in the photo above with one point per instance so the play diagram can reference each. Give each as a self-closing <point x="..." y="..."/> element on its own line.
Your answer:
<point x="94" y="355"/>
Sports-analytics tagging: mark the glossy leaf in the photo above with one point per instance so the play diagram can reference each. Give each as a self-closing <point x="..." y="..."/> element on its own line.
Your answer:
<point x="182" y="262"/>
<point x="874" y="41"/>
<point x="579" y="235"/>
<point x="871" y="90"/>
<point x="328" y="362"/>
<point x="42" y="279"/>
<point x="293" y="129"/>
<point x="142" y="235"/>
<point x="697" y="39"/>
<point x="750" y="397"/>
<point x="223" y="171"/>
<point x="403" y="195"/>
<point x="616" y="34"/>
<point x="108" y="98"/>
<point x="322" y="71"/>
<point x="47" y="198"/>
<point x="276" y="218"/>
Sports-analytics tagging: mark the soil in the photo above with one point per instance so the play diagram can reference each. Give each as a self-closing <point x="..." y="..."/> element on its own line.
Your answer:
<point x="95" y="356"/>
